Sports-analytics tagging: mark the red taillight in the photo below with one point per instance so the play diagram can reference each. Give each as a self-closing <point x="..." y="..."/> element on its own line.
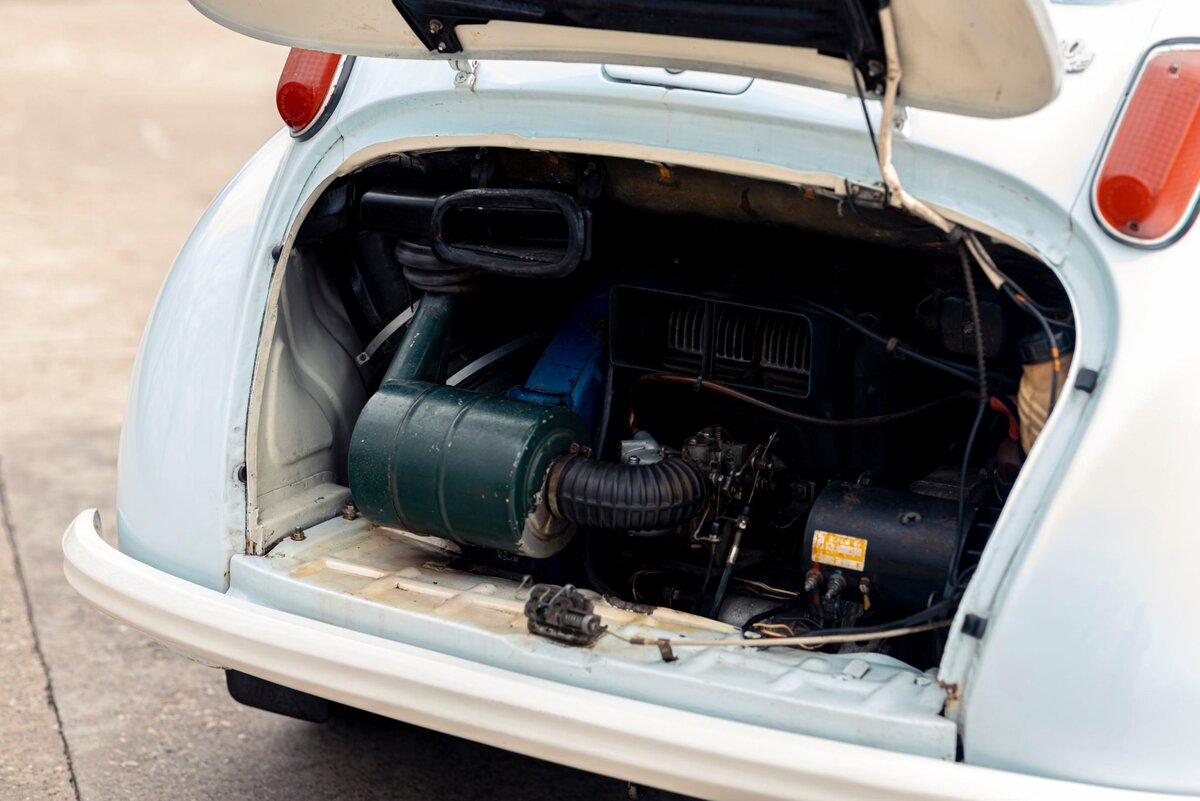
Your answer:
<point x="305" y="87"/>
<point x="1146" y="189"/>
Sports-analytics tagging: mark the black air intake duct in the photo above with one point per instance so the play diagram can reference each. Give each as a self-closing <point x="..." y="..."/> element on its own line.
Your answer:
<point x="626" y="497"/>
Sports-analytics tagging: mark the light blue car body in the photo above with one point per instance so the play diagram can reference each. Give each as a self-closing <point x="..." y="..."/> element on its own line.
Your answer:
<point x="1086" y="668"/>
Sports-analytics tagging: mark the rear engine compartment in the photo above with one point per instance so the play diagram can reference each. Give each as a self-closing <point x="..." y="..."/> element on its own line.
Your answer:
<point x="645" y="401"/>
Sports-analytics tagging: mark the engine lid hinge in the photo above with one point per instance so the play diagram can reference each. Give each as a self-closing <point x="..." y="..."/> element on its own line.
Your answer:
<point x="862" y="196"/>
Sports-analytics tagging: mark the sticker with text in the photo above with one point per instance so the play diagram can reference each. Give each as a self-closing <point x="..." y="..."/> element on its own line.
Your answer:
<point x="838" y="550"/>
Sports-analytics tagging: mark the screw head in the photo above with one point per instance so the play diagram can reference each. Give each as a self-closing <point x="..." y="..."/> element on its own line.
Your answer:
<point x="298" y="534"/>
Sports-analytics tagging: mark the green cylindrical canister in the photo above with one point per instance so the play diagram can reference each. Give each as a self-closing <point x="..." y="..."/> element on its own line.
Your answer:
<point x="462" y="465"/>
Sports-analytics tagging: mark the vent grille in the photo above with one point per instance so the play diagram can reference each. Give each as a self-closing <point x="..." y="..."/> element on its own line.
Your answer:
<point x="786" y="353"/>
<point x="733" y="343"/>
<point x="685" y="338"/>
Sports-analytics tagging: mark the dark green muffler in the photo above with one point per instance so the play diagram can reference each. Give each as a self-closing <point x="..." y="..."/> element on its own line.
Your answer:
<point x="453" y="463"/>
<point x="469" y="467"/>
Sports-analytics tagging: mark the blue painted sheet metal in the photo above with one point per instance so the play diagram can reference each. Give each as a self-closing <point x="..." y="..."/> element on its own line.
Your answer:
<point x="570" y="372"/>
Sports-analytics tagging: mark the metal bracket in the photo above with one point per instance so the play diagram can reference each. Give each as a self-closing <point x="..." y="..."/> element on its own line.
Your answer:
<point x="465" y="72"/>
<point x="861" y="195"/>
<point x="491" y="357"/>
<point x="562" y="614"/>
<point x="1076" y="55"/>
<point x="974" y="626"/>
<point x="900" y="121"/>
<point x="398" y="322"/>
<point x="1087" y="380"/>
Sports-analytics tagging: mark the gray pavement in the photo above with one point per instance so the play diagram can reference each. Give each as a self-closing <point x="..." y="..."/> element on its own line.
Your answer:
<point x="121" y="120"/>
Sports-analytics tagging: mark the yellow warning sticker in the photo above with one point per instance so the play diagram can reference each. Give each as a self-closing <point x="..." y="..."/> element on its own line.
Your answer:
<point x="839" y="550"/>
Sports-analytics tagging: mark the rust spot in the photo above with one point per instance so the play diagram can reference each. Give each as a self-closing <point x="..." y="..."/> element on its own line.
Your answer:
<point x="642" y="609"/>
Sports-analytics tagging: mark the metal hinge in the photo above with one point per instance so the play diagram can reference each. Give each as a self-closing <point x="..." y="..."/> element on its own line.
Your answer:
<point x="861" y="195"/>
<point x="464" y="72"/>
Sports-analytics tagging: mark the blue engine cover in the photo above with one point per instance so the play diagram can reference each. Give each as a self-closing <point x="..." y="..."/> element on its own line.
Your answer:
<point x="571" y="370"/>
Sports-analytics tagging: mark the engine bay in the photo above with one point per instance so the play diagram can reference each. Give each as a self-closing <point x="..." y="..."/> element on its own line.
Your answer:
<point x="793" y="411"/>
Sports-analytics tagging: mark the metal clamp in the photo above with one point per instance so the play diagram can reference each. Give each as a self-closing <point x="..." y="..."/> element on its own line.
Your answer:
<point x="398" y="322"/>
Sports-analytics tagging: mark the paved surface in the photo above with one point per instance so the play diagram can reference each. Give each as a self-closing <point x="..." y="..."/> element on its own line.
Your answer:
<point x="121" y="119"/>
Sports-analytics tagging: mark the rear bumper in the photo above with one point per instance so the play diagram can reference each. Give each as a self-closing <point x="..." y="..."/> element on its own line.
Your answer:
<point x="628" y="739"/>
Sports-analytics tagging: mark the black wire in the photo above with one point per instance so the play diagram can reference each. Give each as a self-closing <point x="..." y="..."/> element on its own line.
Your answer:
<point x="947" y="605"/>
<point x="911" y="228"/>
<point x="1022" y="300"/>
<point x="977" y="322"/>
<point x="774" y="611"/>
<point x="915" y="619"/>
<point x="712" y="562"/>
<point x="896" y="346"/>
<point x="962" y="494"/>
<point x="862" y="100"/>
<point x="606" y="408"/>
<point x="1041" y="307"/>
<point x="678" y="379"/>
<point x="714" y="608"/>
<point x="961" y="581"/>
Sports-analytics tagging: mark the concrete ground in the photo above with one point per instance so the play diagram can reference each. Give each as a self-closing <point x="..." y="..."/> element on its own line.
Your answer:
<point x="121" y="119"/>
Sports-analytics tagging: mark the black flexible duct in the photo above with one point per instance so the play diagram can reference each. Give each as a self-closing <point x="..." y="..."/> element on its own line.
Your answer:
<point x="626" y="497"/>
<point x="424" y="270"/>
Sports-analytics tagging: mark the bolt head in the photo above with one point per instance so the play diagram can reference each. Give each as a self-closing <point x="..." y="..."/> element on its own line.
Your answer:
<point x="298" y="534"/>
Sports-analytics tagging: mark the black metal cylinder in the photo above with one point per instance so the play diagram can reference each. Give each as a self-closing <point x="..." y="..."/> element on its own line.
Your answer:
<point x="901" y="542"/>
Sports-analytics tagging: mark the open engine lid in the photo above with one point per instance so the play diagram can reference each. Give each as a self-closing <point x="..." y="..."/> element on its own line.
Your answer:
<point x="985" y="58"/>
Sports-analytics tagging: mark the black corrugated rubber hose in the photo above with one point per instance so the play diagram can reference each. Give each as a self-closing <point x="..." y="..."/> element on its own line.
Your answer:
<point x="626" y="497"/>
